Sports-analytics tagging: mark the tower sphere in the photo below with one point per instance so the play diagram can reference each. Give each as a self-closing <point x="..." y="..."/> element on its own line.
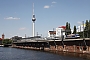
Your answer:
<point x="33" y="19"/>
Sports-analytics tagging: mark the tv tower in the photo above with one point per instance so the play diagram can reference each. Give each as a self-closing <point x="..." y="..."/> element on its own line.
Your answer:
<point x="33" y="20"/>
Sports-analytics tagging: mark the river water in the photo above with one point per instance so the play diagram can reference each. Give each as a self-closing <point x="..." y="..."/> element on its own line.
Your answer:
<point x="22" y="54"/>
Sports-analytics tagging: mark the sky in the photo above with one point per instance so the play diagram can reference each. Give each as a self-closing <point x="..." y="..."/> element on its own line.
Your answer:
<point x="16" y="15"/>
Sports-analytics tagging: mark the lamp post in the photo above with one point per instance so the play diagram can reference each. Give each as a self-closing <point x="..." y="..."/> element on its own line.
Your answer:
<point x="62" y="37"/>
<point x="85" y="47"/>
<point x="25" y="37"/>
<point x="83" y="28"/>
<point x="54" y="37"/>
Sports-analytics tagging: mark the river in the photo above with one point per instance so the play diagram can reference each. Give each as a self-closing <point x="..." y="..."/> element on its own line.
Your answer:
<point x="7" y="53"/>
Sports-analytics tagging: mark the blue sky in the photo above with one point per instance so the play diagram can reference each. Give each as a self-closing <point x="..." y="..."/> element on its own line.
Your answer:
<point x="16" y="15"/>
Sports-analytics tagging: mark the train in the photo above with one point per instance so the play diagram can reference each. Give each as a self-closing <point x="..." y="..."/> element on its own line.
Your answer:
<point x="72" y="36"/>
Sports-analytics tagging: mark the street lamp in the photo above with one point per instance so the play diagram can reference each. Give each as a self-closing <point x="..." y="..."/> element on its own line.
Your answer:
<point x="84" y="37"/>
<point x="83" y="28"/>
<point x="54" y="37"/>
<point x="25" y="37"/>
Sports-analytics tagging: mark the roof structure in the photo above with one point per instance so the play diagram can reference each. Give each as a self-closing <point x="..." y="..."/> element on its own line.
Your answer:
<point x="64" y="27"/>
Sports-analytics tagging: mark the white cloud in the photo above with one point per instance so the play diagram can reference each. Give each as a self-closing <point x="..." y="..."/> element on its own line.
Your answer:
<point x="12" y="18"/>
<point x="46" y="6"/>
<point x="23" y="28"/>
<point x="52" y="6"/>
<point x="54" y="2"/>
<point x="79" y="22"/>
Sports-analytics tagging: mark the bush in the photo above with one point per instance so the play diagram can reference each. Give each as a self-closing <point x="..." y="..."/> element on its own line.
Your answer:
<point x="6" y="41"/>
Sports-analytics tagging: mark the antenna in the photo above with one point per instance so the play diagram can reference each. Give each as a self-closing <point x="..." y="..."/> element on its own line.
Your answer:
<point x="25" y="35"/>
<point x="33" y="8"/>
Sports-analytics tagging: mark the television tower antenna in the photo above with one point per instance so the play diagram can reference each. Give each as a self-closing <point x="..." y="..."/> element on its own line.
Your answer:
<point x="33" y="20"/>
<point x="33" y="13"/>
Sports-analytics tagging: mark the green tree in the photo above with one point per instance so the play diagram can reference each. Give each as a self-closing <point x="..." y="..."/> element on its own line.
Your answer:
<point x="66" y="25"/>
<point x="74" y="30"/>
<point x="81" y="34"/>
<point x="89" y="29"/>
<point x="6" y="41"/>
<point x="89" y="21"/>
<point x="68" y="29"/>
<point x="87" y="25"/>
<point x="86" y="29"/>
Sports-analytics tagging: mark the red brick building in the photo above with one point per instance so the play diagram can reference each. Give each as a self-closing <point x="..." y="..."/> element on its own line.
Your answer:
<point x="2" y="38"/>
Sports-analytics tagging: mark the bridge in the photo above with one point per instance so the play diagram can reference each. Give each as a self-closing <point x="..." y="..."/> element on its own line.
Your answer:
<point x="42" y="43"/>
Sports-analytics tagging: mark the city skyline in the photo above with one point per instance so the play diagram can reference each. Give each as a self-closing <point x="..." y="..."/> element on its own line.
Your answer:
<point x="16" y="16"/>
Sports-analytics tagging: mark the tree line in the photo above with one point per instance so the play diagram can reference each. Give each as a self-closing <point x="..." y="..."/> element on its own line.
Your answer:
<point x="6" y="41"/>
<point x="85" y="33"/>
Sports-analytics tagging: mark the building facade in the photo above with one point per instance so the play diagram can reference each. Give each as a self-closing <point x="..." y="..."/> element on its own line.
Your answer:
<point x="51" y="33"/>
<point x="3" y="36"/>
<point x="58" y="32"/>
<point x="80" y="28"/>
<point x="15" y="38"/>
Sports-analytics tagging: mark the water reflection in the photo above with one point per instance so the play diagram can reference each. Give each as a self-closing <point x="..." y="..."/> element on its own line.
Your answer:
<point x="77" y="55"/>
<point x="21" y="54"/>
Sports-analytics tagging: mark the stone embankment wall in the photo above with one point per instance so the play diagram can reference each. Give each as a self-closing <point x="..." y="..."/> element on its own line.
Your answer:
<point x="76" y="49"/>
<point x="73" y="49"/>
